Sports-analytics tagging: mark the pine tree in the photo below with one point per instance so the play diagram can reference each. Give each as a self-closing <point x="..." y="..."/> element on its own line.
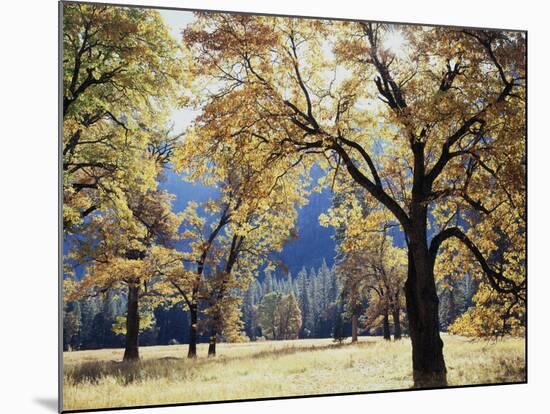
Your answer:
<point x="71" y="326"/>
<point x="259" y="293"/>
<point x="248" y="311"/>
<point x="88" y="310"/>
<point x="315" y="305"/>
<point x="268" y="285"/>
<point x="288" y="284"/>
<point x="304" y="300"/>
<point x="325" y="286"/>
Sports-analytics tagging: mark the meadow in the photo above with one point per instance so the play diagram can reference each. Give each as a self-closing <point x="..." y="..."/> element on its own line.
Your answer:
<point x="99" y="378"/>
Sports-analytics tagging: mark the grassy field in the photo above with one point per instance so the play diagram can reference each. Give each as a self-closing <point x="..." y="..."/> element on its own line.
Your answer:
<point x="97" y="379"/>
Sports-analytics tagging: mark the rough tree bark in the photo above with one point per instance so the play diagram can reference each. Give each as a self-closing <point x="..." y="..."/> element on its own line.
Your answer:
<point x="212" y="342"/>
<point x="193" y="304"/>
<point x="423" y="311"/>
<point x="193" y="313"/>
<point x="396" y="319"/>
<point x="420" y="291"/>
<point x="131" y="352"/>
<point x="386" y="325"/>
<point x="234" y="250"/>
<point x="354" y="328"/>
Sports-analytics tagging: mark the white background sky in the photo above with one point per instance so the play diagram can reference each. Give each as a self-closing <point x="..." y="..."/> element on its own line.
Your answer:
<point x="177" y="20"/>
<point x="29" y="171"/>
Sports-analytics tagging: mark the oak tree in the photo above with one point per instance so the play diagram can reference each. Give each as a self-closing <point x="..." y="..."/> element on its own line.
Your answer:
<point x="436" y="126"/>
<point x="127" y="255"/>
<point x="122" y="73"/>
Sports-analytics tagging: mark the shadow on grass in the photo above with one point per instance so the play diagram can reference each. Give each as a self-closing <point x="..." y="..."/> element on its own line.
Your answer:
<point x="173" y="368"/>
<point x="289" y="350"/>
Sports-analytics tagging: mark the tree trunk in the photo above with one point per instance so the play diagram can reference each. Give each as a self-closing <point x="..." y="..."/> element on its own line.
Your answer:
<point x="212" y="342"/>
<point x="233" y="252"/>
<point x="396" y="323"/>
<point x="193" y="312"/>
<point x="396" y="316"/>
<point x="353" y="328"/>
<point x="131" y="353"/>
<point x="422" y="309"/>
<point x="386" y="325"/>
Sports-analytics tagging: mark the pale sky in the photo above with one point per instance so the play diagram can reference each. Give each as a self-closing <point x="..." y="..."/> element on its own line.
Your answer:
<point x="177" y="20"/>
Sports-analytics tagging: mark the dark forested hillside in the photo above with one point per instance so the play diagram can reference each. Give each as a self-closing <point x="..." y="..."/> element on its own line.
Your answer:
<point x="313" y="244"/>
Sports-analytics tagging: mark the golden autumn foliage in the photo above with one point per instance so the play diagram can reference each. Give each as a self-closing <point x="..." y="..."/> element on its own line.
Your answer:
<point x="122" y="72"/>
<point x="446" y="106"/>
<point x="232" y="238"/>
<point x="123" y="252"/>
<point x="419" y="133"/>
<point x="493" y="316"/>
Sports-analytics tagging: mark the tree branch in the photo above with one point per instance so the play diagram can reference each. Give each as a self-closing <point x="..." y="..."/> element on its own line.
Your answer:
<point x="497" y="280"/>
<point x="375" y="190"/>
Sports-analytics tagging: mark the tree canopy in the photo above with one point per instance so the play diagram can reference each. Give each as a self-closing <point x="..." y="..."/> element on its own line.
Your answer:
<point x="427" y="130"/>
<point x="122" y="72"/>
<point x="419" y="132"/>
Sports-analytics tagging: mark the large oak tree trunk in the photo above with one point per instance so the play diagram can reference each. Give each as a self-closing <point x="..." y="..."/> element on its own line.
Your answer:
<point x="353" y="328"/>
<point x="422" y="309"/>
<point x="386" y="325"/>
<point x="193" y="312"/>
<point x="131" y="353"/>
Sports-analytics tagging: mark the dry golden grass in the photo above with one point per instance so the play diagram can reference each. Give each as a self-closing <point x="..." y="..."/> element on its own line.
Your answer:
<point x="97" y="379"/>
